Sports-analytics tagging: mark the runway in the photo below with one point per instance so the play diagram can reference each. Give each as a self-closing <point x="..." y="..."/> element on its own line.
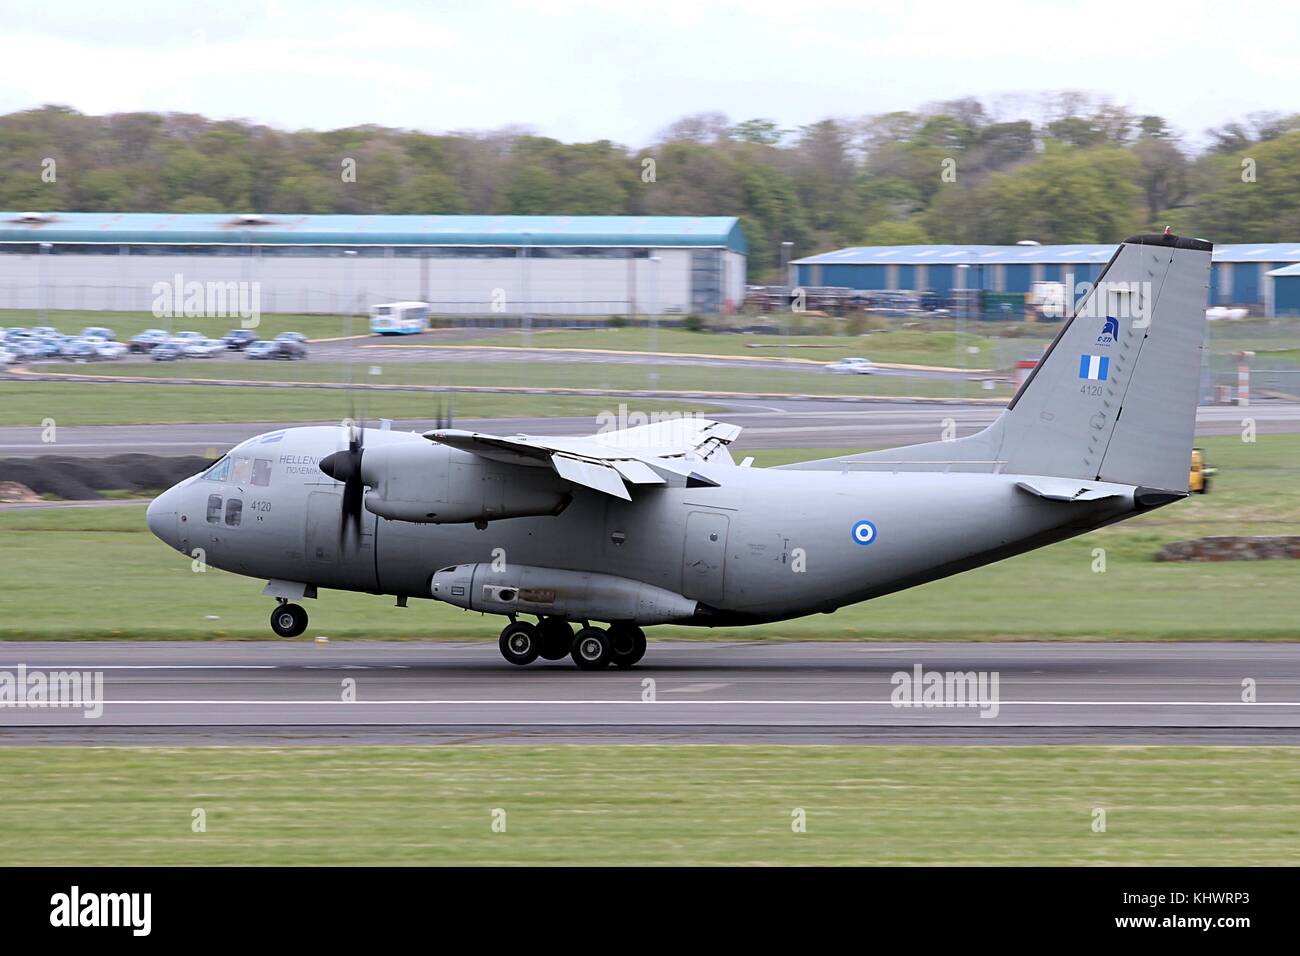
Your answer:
<point x="683" y="692"/>
<point x="792" y="423"/>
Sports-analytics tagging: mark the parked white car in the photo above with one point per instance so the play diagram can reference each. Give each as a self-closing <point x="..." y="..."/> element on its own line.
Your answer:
<point x="202" y="348"/>
<point x="851" y="366"/>
<point x="109" y="350"/>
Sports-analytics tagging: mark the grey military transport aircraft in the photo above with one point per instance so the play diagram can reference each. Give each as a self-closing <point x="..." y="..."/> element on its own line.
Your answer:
<point x="657" y="524"/>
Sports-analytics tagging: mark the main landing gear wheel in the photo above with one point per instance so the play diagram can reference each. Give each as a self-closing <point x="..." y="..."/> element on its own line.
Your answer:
<point x="289" y="620"/>
<point x="627" y="644"/>
<point x="519" y="643"/>
<point x="591" y="649"/>
<point x="555" y="638"/>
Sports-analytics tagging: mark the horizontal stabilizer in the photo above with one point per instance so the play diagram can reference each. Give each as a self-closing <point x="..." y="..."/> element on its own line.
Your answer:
<point x="1070" y="489"/>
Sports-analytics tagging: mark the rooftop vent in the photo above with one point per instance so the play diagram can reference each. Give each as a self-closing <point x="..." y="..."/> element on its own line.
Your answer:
<point x="250" y="219"/>
<point x="34" y="217"/>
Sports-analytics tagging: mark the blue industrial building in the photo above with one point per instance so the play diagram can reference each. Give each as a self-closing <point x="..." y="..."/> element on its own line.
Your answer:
<point x="1242" y="274"/>
<point x="1284" y="284"/>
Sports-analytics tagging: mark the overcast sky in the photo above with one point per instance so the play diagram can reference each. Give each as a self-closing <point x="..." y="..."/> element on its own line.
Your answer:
<point x="624" y="69"/>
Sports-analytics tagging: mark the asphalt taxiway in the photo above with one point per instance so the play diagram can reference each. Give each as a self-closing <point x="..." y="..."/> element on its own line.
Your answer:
<point x="683" y="692"/>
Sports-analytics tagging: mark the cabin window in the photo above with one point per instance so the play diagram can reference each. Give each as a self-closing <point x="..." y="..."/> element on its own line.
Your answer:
<point x="214" y="509"/>
<point x="234" y="511"/>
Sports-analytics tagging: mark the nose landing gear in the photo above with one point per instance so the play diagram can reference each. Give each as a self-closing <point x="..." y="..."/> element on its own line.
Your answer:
<point x="288" y="620"/>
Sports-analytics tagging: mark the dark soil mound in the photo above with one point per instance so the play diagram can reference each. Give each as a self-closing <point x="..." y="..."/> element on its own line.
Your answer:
<point x="82" y="478"/>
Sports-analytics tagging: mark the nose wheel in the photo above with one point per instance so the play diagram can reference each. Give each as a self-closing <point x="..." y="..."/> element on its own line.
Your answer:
<point x="289" y="620"/>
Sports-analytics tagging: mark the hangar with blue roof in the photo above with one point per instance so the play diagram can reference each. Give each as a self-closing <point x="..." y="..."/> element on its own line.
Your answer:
<point x="1242" y="274"/>
<point x="473" y="265"/>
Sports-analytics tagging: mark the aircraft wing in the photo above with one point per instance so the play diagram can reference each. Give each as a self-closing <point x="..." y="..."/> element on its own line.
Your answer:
<point x="609" y="461"/>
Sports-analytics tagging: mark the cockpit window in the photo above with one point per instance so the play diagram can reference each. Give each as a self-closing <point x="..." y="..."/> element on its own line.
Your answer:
<point x="218" y="472"/>
<point x="261" y="471"/>
<point x="214" y="509"/>
<point x="241" y="470"/>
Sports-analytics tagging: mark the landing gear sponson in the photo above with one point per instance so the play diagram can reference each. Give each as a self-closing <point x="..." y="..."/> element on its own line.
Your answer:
<point x="591" y="648"/>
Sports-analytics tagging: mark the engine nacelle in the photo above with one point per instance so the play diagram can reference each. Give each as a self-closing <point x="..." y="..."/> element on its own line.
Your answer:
<point x="573" y="595"/>
<point x="434" y="484"/>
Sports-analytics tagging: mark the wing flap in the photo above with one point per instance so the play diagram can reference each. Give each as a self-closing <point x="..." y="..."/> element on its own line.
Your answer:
<point x="590" y="474"/>
<point x="607" y="462"/>
<point x="638" y="472"/>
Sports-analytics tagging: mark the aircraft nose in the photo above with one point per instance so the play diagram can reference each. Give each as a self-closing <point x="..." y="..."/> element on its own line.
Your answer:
<point x="161" y="516"/>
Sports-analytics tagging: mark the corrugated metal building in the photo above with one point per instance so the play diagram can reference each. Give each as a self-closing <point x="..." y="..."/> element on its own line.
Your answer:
<point x="1241" y="275"/>
<point x="1283" y="289"/>
<point x="470" y="265"/>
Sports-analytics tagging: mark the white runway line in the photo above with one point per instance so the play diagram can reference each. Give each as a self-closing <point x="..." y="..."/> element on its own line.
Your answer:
<point x="511" y="702"/>
<point x="146" y="667"/>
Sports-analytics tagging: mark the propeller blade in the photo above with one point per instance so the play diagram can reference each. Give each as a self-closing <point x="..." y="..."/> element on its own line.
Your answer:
<point x="444" y="416"/>
<point x="345" y="466"/>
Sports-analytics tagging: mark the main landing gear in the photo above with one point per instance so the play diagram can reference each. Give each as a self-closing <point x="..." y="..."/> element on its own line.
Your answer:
<point x="592" y="648"/>
<point x="288" y="620"/>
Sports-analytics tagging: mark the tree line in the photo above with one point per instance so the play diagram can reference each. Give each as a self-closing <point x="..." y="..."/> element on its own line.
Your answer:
<point x="1072" y="168"/>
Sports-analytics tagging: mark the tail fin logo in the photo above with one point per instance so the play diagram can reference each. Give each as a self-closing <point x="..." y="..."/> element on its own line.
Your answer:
<point x="1094" y="367"/>
<point x="1109" y="331"/>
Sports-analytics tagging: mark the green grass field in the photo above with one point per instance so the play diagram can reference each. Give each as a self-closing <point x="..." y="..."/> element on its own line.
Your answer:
<point x="901" y="345"/>
<point x="911" y="345"/>
<point x="124" y="578"/>
<point x="111" y="403"/>
<point x="671" y="805"/>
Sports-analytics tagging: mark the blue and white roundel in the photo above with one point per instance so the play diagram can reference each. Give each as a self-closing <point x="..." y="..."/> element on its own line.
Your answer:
<point x="864" y="532"/>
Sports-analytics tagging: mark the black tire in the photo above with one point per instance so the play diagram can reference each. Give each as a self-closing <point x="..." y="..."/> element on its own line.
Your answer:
<point x="627" y="645"/>
<point x="591" y="649"/>
<point x="555" y="638"/>
<point x="519" y="643"/>
<point x="289" y="620"/>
